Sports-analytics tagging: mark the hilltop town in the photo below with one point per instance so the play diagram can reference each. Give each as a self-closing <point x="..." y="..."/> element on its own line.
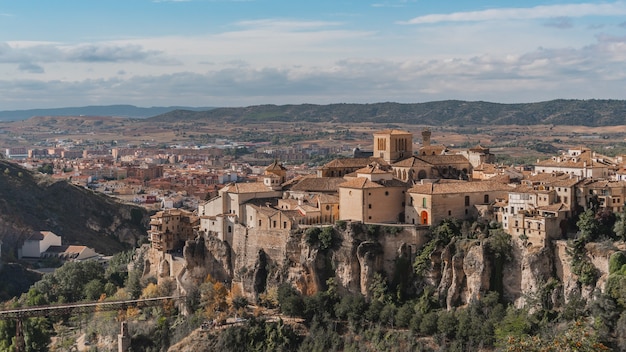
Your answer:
<point x="361" y="215"/>
<point x="404" y="182"/>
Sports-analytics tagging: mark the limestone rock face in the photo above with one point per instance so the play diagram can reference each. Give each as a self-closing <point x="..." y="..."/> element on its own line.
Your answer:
<point x="477" y="268"/>
<point x="207" y="256"/>
<point x="462" y="271"/>
<point x="370" y="258"/>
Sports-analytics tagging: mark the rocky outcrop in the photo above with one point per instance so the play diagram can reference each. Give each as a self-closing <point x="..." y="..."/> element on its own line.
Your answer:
<point x="206" y="256"/>
<point x="461" y="271"/>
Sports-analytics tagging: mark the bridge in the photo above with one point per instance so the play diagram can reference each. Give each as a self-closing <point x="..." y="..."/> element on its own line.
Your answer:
<point x="75" y="308"/>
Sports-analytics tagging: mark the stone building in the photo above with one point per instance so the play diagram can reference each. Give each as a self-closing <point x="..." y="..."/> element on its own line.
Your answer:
<point x="428" y="203"/>
<point x="393" y="145"/>
<point x="372" y="196"/>
<point x="169" y="229"/>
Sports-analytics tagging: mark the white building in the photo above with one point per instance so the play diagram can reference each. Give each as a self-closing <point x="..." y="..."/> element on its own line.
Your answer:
<point x="38" y="243"/>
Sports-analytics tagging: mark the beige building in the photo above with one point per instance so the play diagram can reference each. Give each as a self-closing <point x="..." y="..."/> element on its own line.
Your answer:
<point x="610" y="195"/>
<point x="169" y="229"/>
<point x="580" y="162"/>
<point x="373" y="196"/>
<point x="429" y="203"/>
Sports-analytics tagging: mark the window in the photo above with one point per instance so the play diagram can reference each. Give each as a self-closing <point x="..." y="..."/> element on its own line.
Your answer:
<point x="386" y="193"/>
<point x="369" y="206"/>
<point x="449" y="212"/>
<point x="467" y="201"/>
<point x="230" y="229"/>
<point x="424" y="202"/>
<point x="327" y="207"/>
<point x="465" y="211"/>
<point x="284" y="224"/>
<point x="486" y="198"/>
<point x="274" y="223"/>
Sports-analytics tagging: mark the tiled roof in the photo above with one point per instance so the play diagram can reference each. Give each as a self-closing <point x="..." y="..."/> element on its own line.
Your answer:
<point x="327" y="198"/>
<point x="412" y="162"/>
<point x="354" y="162"/>
<point x="360" y="183"/>
<point x="275" y="166"/>
<point x="371" y="169"/>
<point x="250" y="187"/>
<point x="487" y="168"/>
<point x="553" y="208"/>
<point x="318" y="184"/>
<point x="432" y="150"/>
<point x="459" y="187"/>
<point x="443" y="159"/>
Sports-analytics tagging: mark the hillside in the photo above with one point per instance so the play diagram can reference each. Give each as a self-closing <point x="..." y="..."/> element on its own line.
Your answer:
<point x="31" y="202"/>
<point x="451" y="112"/>
<point x="128" y="111"/>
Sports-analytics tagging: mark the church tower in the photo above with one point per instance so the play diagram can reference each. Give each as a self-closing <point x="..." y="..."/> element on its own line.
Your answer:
<point x="426" y="137"/>
<point x="393" y="145"/>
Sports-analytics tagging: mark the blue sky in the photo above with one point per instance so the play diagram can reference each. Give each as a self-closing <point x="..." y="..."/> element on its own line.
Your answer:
<point x="249" y="52"/>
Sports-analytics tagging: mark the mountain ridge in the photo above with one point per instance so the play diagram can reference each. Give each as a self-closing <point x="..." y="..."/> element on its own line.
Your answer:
<point x="119" y="110"/>
<point x="449" y="112"/>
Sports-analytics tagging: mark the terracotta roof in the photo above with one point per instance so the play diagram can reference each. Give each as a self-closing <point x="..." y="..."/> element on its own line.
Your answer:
<point x="479" y="148"/>
<point x="360" y="182"/>
<point x="412" y="161"/>
<point x="553" y="208"/>
<point x="459" y="187"/>
<point x="318" y="184"/>
<point x="430" y="149"/>
<point x="275" y="166"/>
<point x="371" y="169"/>
<point x="570" y="182"/>
<point x="327" y="198"/>
<point x="307" y="208"/>
<point x="249" y="187"/>
<point x="487" y="168"/>
<point x="444" y="159"/>
<point x="354" y="162"/>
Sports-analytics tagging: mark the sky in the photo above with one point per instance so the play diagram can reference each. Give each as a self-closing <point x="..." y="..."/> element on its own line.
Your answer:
<point x="250" y="52"/>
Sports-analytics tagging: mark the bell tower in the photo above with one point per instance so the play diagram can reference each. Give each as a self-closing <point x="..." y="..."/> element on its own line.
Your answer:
<point x="393" y="145"/>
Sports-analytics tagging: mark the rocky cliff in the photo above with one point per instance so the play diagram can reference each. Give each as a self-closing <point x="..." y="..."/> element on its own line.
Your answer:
<point x="461" y="271"/>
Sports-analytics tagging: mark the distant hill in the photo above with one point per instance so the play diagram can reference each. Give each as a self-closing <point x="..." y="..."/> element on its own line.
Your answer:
<point x="32" y="202"/>
<point x="128" y="111"/>
<point x="450" y="112"/>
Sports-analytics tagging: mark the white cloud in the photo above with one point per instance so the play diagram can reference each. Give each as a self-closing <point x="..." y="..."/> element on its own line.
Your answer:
<point x="537" y="12"/>
<point x="594" y="71"/>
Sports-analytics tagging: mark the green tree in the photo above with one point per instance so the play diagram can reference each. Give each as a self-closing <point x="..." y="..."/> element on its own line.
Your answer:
<point x="588" y="226"/>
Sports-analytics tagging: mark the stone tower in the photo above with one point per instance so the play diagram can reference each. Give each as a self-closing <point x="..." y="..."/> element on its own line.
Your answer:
<point x="393" y="145"/>
<point x="426" y="137"/>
